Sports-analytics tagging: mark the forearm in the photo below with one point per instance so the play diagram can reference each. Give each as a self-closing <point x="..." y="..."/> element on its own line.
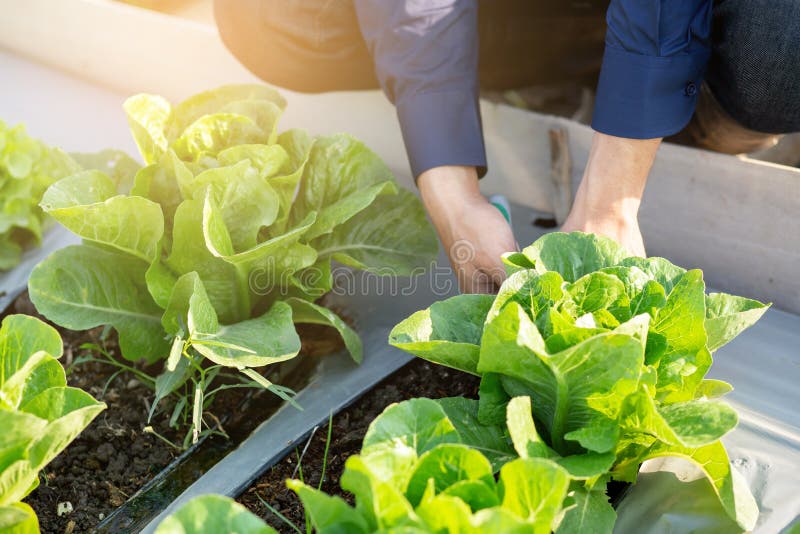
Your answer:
<point x="615" y="177"/>
<point x="447" y="191"/>
<point x="611" y="190"/>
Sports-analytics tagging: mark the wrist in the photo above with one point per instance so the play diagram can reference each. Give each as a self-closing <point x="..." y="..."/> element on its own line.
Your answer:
<point x="597" y="220"/>
<point x="447" y="191"/>
<point x="607" y="206"/>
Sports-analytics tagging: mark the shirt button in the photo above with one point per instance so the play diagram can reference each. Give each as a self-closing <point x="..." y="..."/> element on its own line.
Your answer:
<point x="690" y="89"/>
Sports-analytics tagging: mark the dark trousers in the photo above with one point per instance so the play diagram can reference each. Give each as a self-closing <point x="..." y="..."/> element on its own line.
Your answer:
<point x="316" y="46"/>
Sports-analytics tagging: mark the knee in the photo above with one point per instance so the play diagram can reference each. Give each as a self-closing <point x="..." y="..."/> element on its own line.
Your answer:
<point x="755" y="64"/>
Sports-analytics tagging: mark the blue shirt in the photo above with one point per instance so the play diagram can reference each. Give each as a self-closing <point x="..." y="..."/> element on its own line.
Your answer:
<point x="426" y="59"/>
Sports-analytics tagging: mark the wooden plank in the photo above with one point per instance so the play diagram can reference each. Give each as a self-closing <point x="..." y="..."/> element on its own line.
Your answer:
<point x="737" y="220"/>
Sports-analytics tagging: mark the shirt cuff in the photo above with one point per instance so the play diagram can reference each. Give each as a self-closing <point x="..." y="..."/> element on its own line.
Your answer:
<point x="644" y="97"/>
<point x="442" y="128"/>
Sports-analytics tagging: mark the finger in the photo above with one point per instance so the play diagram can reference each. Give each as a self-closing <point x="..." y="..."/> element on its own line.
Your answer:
<point x="497" y="275"/>
<point x="464" y="282"/>
<point x="467" y="281"/>
<point x="475" y="281"/>
<point x="493" y="267"/>
<point x="463" y="274"/>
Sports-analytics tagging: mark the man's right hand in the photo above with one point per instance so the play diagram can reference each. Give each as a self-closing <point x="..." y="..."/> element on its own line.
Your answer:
<point x="474" y="233"/>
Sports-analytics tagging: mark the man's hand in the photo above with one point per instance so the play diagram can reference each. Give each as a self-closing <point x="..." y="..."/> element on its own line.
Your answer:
<point x="608" y="199"/>
<point x="473" y="232"/>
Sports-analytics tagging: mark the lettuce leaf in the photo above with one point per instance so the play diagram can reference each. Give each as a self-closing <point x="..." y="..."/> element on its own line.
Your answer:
<point x="213" y="513"/>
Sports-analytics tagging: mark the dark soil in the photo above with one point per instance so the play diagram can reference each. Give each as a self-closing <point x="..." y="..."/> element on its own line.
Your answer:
<point x="417" y="379"/>
<point x="113" y="457"/>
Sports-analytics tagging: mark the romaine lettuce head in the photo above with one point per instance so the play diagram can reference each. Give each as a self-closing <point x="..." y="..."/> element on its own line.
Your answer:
<point x="611" y="350"/>
<point x="27" y="168"/>
<point x="227" y="235"/>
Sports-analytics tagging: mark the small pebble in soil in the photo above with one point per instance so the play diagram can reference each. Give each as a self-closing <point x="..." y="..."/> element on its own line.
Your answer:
<point x="64" y="508"/>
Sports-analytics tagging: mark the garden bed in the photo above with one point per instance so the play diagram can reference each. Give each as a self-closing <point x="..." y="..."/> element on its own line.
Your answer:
<point x="110" y="460"/>
<point x="114" y="458"/>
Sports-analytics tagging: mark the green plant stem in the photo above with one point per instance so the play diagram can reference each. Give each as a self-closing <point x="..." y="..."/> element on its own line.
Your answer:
<point x="231" y="386"/>
<point x="151" y="430"/>
<point x="298" y="470"/>
<point x="244" y="292"/>
<point x="560" y="414"/>
<point x="113" y="376"/>
<point x="327" y="450"/>
<point x="188" y="354"/>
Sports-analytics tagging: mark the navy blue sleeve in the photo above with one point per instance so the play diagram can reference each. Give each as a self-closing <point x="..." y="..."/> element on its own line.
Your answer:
<point x="655" y="59"/>
<point x="426" y="59"/>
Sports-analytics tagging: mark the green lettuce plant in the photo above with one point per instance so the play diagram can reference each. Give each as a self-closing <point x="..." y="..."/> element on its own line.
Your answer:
<point x="612" y="351"/>
<point x="213" y="513"/>
<point x="27" y="168"/>
<point x="431" y="466"/>
<point x="39" y="414"/>
<point x="226" y="237"/>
